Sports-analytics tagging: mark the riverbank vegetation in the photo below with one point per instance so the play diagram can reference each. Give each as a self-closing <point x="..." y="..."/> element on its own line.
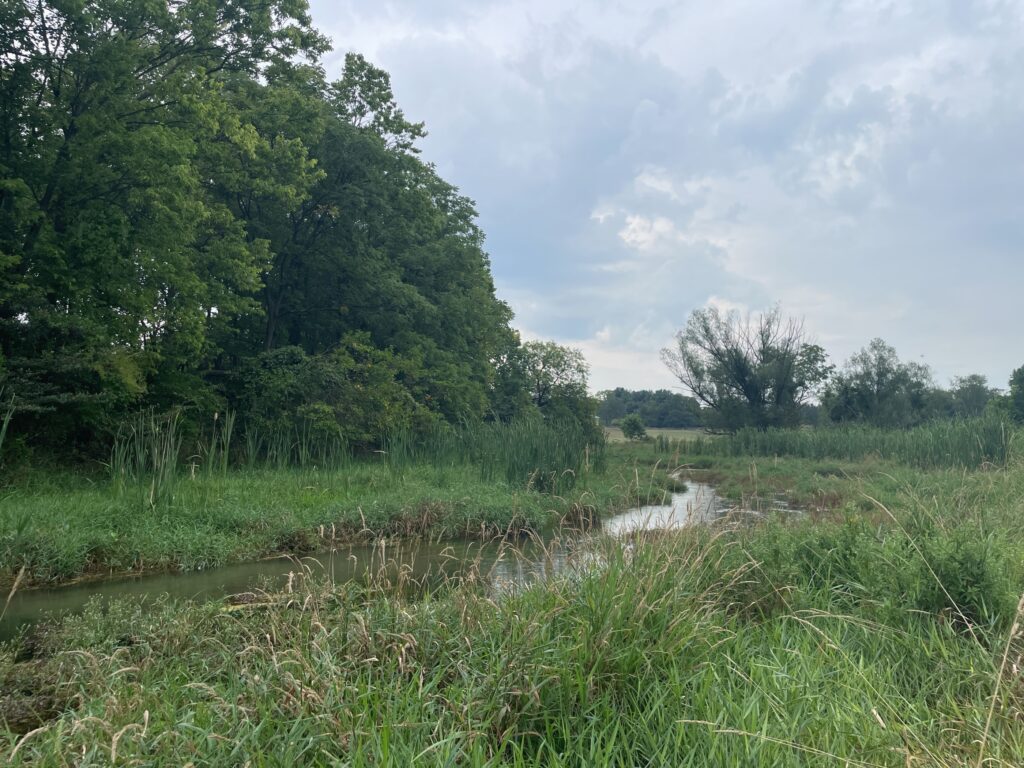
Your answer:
<point x="148" y="511"/>
<point x="880" y="633"/>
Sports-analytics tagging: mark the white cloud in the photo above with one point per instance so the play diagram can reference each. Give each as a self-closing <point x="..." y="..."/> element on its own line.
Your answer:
<point x="645" y="234"/>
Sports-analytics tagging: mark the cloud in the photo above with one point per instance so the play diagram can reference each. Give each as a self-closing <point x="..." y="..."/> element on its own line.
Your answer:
<point x="856" y="161"/>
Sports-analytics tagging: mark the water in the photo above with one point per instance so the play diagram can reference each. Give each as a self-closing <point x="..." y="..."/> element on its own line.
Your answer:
<point x="501" y="564"/>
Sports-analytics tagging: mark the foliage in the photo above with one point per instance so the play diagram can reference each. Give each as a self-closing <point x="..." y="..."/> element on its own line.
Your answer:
<point x="632" y="427"/>
<point x="1015" y="404"/>
<point x="542" y="377"/>
<point x="354" y="392"/>
<point x="971" y="395"/>
<point x="748" y="372"/>
<point x="661" y="409"/>
<point x="875" y="387"/>
<point x="969" y="443"/>
<point x="183" y="194"/>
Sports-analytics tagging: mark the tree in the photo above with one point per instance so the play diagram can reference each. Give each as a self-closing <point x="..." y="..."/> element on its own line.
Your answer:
<point x="119" y="265"/>
<point x="556" y="380"/>
<point x="971" y="395"/>
<point x="632" y="427"/>
<point x="875" y="387"/>
<point x="748" y="372"/>
<point x="183" y="193"/>
<point x="1016" y="396"/>
<point x="662" y="408"/>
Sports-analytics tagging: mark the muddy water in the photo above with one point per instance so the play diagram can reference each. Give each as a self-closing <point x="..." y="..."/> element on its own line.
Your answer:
<point x="501" y="564"/>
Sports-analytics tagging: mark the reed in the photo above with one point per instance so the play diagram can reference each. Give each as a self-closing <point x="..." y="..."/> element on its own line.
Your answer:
<point x="969" y="443"/>
<point x="8" y="414"/>
<point x="529" y="453"/>
<point x="145" y="457"/>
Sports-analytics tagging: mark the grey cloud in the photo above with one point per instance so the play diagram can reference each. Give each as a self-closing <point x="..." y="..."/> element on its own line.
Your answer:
<point x="857" y="160"/>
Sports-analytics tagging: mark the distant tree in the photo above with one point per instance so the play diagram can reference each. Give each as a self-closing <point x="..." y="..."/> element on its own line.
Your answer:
<point x="556" y="381"/>
<point x="662" y="408"/>
<point x="632" y="427"/>
<point x="971" y="394"/>
<point x="876" y="387"/>
<point x="754" y="372"/>
<point x="613" y="404"/>
<point x="1016" y="396"/>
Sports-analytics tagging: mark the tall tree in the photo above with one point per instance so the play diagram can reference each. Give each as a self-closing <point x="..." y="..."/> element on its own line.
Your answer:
<point x="971" y="394"/>
<point x="116" y="261"/>
<point x="750" y="372"/>
<point x="876" y="387"/>
<point x="1016" y="395"/>
<point x="183" y="194"/>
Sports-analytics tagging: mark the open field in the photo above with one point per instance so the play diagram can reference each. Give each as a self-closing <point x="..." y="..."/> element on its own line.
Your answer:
<point x="614" y="434"/>
<point x="876" y="631"/>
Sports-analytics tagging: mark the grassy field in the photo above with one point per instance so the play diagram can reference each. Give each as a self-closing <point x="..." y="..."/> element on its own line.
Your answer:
<point x="880" y="629"/>
<point x="614" y="434"/>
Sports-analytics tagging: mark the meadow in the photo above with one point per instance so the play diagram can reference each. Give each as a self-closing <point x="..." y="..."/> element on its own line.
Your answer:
<point x="877" y="628"/>
<point x="614" y="434"/>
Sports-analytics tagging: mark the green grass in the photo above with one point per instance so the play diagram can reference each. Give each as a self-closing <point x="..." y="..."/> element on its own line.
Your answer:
<point x="879" y="630"/>
<point x="614" y="434"/>
<point x="970" y="443"/>
<point x="809" y="644"/>
<point x="63" y="526"/>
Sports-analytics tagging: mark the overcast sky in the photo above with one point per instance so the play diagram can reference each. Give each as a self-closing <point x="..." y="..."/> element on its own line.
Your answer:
<point x="860" y="162"/>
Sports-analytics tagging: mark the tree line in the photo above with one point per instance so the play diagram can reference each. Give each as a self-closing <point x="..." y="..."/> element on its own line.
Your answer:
<point x="763" y="372"/>
<point x="660" y="409"/>
<point x="194" y="216"/>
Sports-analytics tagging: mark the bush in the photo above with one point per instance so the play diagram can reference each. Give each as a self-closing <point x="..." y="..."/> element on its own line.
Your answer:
<point x="633" y="427"/>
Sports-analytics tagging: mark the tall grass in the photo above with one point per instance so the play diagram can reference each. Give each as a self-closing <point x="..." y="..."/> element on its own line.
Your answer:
<point x="529" y="452"/>
<point x="299" y="445"/>
<point x="8" y="414"/>
<point x="685" y="649"/>
<point x="969" y="444"/>
<point x="145" y="457"/>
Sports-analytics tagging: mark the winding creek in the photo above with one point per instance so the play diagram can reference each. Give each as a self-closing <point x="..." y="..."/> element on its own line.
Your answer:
<point x="499" y="563"/>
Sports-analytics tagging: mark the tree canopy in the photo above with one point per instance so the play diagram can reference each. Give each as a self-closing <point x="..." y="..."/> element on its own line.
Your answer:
<point x="192" y="215"/>
<point x="749" y="372"/>
<point x="660" y="409"/>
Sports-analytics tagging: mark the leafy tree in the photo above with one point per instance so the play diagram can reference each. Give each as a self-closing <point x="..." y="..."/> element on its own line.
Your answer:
<point x="661" y="408"/>
<point x="876" y="387"/>
<point x="1015" y="404"/>
<point x="632" y="427"/>
<point x="509" y="394"/>
<point x="183" y="194"/>
<point x="556" y="380"/>
<point x="748" y="372"/>
<point x="971" y="395"/>
<point x="118" y="263"/>
<point x="353" y="391"/>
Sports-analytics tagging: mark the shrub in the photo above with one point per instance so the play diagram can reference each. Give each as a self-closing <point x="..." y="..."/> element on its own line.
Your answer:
<point x="633" y="427"/>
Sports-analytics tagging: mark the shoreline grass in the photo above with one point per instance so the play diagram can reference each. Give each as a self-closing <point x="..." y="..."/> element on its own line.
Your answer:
<point x="62" y="528"/>
<point x="881" y="630"/>
<point x="689" y="648"/>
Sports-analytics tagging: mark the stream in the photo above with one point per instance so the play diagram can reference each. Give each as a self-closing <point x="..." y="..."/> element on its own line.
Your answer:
<point x="499" y="563"/>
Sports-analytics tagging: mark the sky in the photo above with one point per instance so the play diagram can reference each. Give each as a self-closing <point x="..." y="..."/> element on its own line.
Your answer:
<point x="859" y="163"/>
